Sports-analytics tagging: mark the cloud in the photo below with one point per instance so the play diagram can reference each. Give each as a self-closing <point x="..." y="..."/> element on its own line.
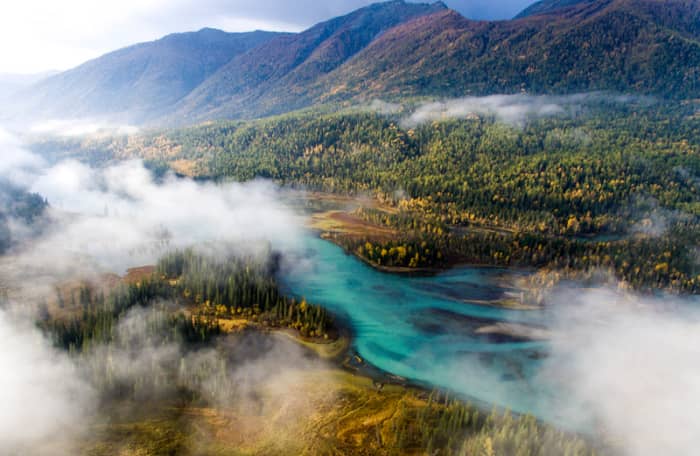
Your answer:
<point x="511" y="109"/>
<point x="51" y="399"/>
<point x="119" y="216"/>
<point x="18" y="165"/>
<point x="383" y="107"/>
<point x="108" y="219"/>
<point x="632" y="362"/>
<point x="116" y="217"/>
<point x="256" y="362"/>
<point x="81" y="127"/>
<point x="654" y="219"/>
<point x="44" y="399"/>
<point x="248" y="372"/>
<point x="41" y="35"/>
<point x="122" y="209"/>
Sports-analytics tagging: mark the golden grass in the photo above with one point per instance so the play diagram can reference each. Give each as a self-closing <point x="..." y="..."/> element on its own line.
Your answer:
<point x="309" y="412"/>
<point x="341" y="222"/>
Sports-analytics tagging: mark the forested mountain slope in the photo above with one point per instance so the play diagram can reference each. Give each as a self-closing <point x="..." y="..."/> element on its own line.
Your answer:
<point x="276" y="76"/>
<point x="623" y="46"/>
<point x="391" y="50"/>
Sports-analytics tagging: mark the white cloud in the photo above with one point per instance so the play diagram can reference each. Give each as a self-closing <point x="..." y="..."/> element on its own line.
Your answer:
<point x="17" y="165"/>
<point x="109" y="219"/>
<point x="632" y="362"/>
<point x="117" y="217"/>
<point x="81" y="127"/>
<point x="511" y="109"/>
<point x="39" y="35"/>
<point x="43" y="398"/>
<point x="121" y="209"/>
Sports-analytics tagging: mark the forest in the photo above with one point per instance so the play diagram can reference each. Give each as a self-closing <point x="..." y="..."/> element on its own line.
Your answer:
<point x="19" y="206"/>
<point x="209" y="288"/>
<point x="183" y="303"/>
<point x="612" y="187"/>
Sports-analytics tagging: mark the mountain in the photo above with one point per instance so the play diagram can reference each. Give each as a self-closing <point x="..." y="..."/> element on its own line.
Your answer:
<point x="548" y="6"/>
<point x="640" y="46"/>
<point x="140" y="81"/>
<point x="13" y="83"/>
<point x="391" y="50"/>
<point x="274" y="77"/>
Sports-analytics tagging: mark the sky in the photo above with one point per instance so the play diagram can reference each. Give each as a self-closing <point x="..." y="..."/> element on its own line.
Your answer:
<point x="45" y="35"/>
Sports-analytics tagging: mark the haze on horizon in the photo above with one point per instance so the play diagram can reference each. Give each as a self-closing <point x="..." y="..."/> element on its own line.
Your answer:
<point x="37" y="36"/>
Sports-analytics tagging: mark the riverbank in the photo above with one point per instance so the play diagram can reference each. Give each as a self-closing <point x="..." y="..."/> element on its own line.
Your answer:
<point x="514" y="300"/>
<point x="319" y="409"/>
<point x="333" y="399"/>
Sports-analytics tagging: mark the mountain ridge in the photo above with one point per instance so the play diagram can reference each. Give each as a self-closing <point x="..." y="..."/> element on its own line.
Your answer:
<point x="286" y="63"/>
<point x="397" y="49"/>
<point x="601" y="45"/>
<point x="143" y="79"/>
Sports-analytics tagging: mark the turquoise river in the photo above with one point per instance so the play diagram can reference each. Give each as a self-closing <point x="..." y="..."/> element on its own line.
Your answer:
<point x="424" y="329"/>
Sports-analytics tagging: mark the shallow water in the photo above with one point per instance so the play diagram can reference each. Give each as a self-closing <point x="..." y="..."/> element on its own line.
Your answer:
<point x="422" y="328"/>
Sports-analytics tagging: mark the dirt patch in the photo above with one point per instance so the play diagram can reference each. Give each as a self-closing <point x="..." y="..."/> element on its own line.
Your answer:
<point x="347" y="224"/>
<point x="136" y="275"/>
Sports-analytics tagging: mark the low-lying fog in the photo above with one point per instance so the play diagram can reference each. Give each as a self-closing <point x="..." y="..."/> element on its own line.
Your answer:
<point x="108" y="220"/>
<point x="633" y="362"/>
<point x="514" y="109"/>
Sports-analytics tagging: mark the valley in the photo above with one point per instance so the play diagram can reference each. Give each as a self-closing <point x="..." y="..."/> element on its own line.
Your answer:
<point x="350" y="228"/>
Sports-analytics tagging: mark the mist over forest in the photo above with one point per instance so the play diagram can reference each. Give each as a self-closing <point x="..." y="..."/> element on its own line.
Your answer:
<point x="397" y="231"/>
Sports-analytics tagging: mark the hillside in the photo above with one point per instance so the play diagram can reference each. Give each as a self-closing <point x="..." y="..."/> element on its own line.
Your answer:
<point x="140" y="81"/>
<point x="623" y="46"/>
<point x="13" y="83"/>
<point x="391" y="50"/>
<point x="275" y="77"/>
